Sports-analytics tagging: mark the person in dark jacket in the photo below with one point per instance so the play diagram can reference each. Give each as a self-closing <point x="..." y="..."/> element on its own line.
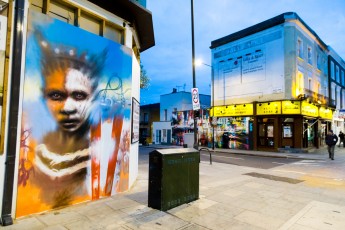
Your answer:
<point x="341" y="138"/>
<point x="331" y="141"/>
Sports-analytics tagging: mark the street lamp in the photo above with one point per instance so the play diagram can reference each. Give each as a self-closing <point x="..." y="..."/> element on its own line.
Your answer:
<point x="194" y="83"/>
<point x="199" y="63"/>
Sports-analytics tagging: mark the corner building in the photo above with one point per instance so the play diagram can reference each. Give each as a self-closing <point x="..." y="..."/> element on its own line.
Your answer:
<point x="271" y="86"/>
<point x="70" y="98"/>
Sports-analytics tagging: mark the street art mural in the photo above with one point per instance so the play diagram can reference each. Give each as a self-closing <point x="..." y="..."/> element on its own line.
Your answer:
<point x="75" y="134"/>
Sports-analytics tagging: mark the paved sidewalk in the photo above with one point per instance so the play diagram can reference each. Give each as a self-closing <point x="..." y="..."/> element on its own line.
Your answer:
<point x="313" y="154"/>
<point x="231" y="197"/>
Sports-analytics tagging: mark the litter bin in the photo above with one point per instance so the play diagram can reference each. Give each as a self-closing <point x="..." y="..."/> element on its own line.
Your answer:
<point x="173" y="177"/>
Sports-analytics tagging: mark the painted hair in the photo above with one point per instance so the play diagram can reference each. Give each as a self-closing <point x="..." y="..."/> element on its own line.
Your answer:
<point x="61" y="57"/>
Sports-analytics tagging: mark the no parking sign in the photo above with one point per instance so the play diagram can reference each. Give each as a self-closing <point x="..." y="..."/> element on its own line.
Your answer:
<point x="195" y="99"/>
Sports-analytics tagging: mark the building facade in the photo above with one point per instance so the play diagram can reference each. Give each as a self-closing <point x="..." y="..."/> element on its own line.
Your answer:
<point x="336" y="69"/>
<point x="271" y="86"/>
<point x="177" y="118"/>
<point x="148" y="114"/>
<point x="70" y="78"/>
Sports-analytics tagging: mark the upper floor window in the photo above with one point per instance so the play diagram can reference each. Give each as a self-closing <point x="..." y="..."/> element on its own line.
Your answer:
<point x="337" y="77"/>
<point x="310" y="56"/>
<point x="342" y="78"/>
<point x="300" y="48"/>
<point x="318" y="61"/>
<point x="146" y="117"/>
<point x="165" y="114"/>
<point x="332" y="70"/>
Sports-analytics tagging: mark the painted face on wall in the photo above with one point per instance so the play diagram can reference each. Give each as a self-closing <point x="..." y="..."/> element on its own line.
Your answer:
<point x="68" y="96"/>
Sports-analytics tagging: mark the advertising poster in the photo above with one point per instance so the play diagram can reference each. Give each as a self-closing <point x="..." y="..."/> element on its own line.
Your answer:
<point x="75" y="133"/>
<point x="135" y="120"/>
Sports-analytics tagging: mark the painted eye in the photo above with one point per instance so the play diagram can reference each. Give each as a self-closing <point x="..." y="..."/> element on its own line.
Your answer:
<point x="79" y="96"/>
<point x="56" y="96"/>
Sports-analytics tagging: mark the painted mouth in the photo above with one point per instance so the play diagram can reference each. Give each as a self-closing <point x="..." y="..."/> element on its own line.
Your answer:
<point x="70" y="123"/>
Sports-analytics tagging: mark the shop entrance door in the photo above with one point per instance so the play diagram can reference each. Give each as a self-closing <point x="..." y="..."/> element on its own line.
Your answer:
<point x="266" y="135"/>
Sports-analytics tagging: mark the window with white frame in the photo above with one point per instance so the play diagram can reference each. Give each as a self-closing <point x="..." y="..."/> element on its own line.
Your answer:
<point x="318" y="61"/>
<point x="300" y="48"/>
<point x="333" y="93"/>
<point x="299" y="83"/>
<point x="343" y="99"/>
<point x="338" y="96"/>
<point x="332" y="70"/>
<point x="310" y="56"/>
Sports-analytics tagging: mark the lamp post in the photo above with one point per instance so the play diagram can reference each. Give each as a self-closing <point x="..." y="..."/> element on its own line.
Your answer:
<point x="198" y="63"/>
<point x="194" y="83"/>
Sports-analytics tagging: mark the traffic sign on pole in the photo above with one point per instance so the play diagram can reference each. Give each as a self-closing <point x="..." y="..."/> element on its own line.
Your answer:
<point x="195" y="99"/>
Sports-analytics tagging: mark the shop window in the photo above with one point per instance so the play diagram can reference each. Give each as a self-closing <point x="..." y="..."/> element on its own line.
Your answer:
<point x="287" y="130"/>
<point x="289" y="119"/>
<point x="89" y="23"/>
<point x="61" y="12"/>
<point x="113" y="33"/>
<point x="266" y="134"/>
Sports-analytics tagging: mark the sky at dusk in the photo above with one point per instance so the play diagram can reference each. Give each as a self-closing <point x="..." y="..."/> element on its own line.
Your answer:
<point x="169" y="63"/>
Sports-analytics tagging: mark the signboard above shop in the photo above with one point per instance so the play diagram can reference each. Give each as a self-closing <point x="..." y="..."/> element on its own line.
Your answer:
<point x="234" y="110"/>
<point x="291" y="107"/>
<point x="268" y="108"/>
<point x="326" y="113"/>
<point x="309" y="109"/>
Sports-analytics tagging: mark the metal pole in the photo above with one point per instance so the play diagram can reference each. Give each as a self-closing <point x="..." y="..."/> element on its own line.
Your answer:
<point x="11" y="132"/>
<point x="194" y="83"/>
<point x="212" y="77"/>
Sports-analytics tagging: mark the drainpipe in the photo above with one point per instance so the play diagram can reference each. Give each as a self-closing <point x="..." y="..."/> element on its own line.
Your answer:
<point x="6" y="212"/>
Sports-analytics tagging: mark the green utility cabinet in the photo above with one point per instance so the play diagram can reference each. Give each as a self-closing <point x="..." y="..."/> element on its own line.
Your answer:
<point x="173" y="177"/>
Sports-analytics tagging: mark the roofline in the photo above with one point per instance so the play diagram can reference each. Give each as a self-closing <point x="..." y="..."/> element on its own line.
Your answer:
<point x="280" y="19"/>
<point x="151" y="105"/>
<point x="184" y="92"/>
<point x="134" y="13"/>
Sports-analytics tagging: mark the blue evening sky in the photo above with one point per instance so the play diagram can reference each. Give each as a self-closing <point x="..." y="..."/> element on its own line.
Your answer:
<point x="169" y="62"/>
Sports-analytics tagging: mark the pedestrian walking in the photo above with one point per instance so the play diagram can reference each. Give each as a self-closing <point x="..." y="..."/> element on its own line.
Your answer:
<point x="341" y="138"/>
<point x="331" y="141"/>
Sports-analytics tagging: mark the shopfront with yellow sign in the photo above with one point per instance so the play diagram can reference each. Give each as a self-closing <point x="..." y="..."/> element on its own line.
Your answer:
<point x="235" y="126"/>
<point x="273" y="125"/>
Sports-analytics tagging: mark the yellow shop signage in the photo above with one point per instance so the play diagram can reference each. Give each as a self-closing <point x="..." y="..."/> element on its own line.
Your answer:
<point x="234" y="110"/>
<point x="326" y="113"/>
<point x="268" y="108"/>
<point x="309" y="109"/>
<point x="291" y="107"/>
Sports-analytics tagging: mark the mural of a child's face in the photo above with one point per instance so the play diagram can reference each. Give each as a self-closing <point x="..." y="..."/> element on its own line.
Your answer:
<point x="68" y="96"/>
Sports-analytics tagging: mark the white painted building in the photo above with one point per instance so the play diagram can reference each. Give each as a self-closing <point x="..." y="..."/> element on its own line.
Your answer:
<point x="275" y="74"/>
